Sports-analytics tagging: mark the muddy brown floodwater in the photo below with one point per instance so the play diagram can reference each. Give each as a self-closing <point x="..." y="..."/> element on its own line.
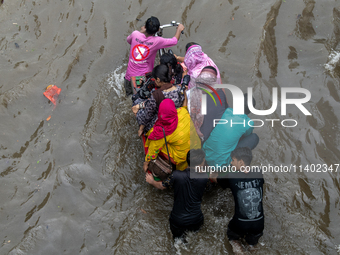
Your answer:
<point x="74" y="184"/>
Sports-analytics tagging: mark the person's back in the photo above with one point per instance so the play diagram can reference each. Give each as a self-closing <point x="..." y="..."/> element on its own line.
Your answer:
<point x="180" y="141"/>
<point x="205" y="84"/>
<point x="214" y="111"/>
<point x="189" y="186"/>
<point x="143" y="52"/>
<point x="186" y="214"/>
<point x="246" y="185"/>
<point x="187" y="198"/>
<point x="247" y="190"/>
<point x="225" y="136"/>
<point x="144" y="46"/>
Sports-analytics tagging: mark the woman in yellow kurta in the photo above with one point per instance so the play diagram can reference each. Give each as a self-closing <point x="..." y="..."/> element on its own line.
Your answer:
<point x="180" y="134"/>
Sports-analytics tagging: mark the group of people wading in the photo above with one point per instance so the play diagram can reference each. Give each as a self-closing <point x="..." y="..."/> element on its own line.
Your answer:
<point x="192" y="140"/>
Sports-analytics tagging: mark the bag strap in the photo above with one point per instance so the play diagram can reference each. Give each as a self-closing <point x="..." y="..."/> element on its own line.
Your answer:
<point x="166" y="147"/>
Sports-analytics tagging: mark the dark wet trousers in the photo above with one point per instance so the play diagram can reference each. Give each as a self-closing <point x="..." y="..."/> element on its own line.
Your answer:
<point x="250" y="233"/>
<point x="128" y="87"/>
<point x="180" y="231"/>
<point x="249" y="141"/>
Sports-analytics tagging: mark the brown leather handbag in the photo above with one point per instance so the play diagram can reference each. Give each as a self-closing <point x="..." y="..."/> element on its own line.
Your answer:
<point x="160" y="167"/>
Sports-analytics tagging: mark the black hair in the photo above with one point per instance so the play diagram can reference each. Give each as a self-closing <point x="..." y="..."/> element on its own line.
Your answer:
<point x="246" y="108"/>
<point x="190" y="44"/>
<point x="152" y="25"/>
<point x="162" y="72"/>
<point x="210" y="67"/>
<point x="242" y="153"/>
<point x="195" y="157"/>
<point x="170" y="61"/>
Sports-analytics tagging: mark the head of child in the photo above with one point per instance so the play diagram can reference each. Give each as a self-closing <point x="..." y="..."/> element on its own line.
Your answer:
<point x="152" y="25"/>
<point x="241" y="158"/>
<point x="196" y="159"/>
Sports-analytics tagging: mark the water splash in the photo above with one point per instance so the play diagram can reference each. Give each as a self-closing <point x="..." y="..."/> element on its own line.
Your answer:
<point x="334" y="58"/>
<point x="116" y="80"/>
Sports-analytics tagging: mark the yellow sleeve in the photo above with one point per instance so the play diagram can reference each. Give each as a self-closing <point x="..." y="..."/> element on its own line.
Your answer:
<point x="154" y="147"/>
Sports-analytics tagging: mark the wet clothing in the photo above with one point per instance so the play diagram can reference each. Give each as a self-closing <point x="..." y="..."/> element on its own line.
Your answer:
<point x="180" y="231"/>
<point x="213" y="112"/>
<point x="248" y="219"/>
<point x="249" y="141"/>
<point x="179" y="142"/>
<point x="250" y="238"/>
<point x="224" y="137"/>
<point x="186" y="213"/>
<point x="129" y="90"/>
<point x="148" y="115"/>
<point x="143" y="52"/>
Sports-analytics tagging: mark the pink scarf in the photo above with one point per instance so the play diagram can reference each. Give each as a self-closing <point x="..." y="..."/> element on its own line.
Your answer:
<point x="195" y="60"/>
<point x="167" y="118"/>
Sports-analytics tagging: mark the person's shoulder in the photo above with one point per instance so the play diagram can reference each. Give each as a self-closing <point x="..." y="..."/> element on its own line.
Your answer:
<point x="178" y="174"/>
<point x="234" y="175"/>
<point x="258" y="173"/>
<point x="255" y="173"/>
<point x="154" y="39"/>
<point x="183" y="111"/>
<point x="160" y="38"/>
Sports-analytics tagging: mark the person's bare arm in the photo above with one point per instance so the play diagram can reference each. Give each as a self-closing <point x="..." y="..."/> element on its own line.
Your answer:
<point x="135" y="109"/>
<point x="179" y="58"/>
<point x="185" y="102"/>
<point x="140" y="130"/>
<point x="145" y="166"/>
<point x="149" y="179"/>
<point x="179" y="30"/>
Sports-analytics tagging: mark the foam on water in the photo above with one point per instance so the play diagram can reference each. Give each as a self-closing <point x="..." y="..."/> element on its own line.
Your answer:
<point x="334" y="58"/>
<point x="116" y="80"/>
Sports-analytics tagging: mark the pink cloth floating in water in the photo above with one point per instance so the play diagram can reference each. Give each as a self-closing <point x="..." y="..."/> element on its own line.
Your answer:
<point x="52" y="93"/>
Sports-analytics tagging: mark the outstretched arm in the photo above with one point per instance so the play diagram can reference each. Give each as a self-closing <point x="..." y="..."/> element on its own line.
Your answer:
<point x="179" y="30"/>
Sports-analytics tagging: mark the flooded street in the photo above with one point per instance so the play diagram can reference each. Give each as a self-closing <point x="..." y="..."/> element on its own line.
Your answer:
<point x="74" y="184"/>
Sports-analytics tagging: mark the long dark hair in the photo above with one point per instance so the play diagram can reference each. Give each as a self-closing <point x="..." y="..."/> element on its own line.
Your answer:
<point x="171" y="62"/>
<point x="163" y="72"/>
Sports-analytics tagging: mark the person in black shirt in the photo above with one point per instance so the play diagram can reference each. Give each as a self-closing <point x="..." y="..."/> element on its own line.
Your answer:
<point x="186" y="214"/>
<point x="247" y="189"/>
